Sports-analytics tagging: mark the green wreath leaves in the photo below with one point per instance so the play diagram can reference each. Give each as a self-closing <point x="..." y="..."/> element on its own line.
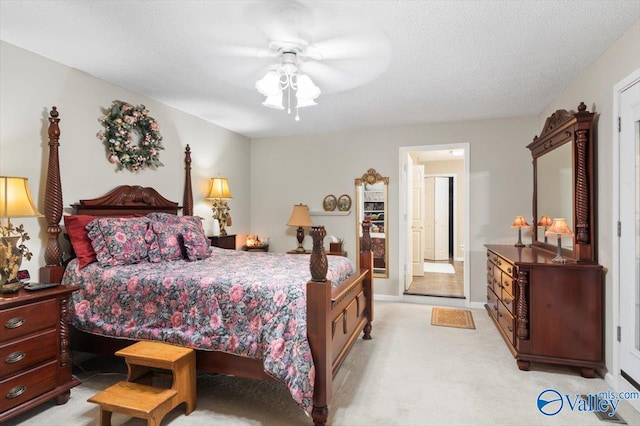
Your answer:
<point x="124" y="125"/>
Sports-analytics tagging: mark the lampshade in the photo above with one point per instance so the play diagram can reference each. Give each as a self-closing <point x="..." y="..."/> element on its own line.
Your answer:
<point x="545" y="221"/>
<point x="219" y="189"/>
<point x="300" y="216"/>
<point x="520" y="222"/>
<point x="559" y="228"/>
<point x="15" y="198"/>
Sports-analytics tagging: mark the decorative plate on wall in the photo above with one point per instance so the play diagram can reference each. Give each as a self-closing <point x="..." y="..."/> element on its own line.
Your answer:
<point x="344" y="203"/>
<point x="329" y="204"/>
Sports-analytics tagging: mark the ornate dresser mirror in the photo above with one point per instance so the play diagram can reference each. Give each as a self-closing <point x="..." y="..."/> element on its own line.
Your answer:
<point x="372" y="203"/>
<point x="563" y="181"/>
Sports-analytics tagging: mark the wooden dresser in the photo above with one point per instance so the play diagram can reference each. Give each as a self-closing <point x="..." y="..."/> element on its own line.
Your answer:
<point x="35" y="365"/>
<point x="545" y="311"/>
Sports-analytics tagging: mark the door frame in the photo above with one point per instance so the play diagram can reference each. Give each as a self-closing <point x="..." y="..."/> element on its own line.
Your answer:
<point x="402" y="216"/>
<point x="614" y="377"/>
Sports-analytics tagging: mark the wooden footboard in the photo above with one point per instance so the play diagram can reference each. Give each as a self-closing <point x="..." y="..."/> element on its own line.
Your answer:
<point x="335" y="318"/>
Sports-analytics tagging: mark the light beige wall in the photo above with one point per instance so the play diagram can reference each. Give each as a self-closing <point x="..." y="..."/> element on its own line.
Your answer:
<point x="447" y="168"/>
<point x="594" y="87"/>
<point x="31" y="84"/>
<point x="290" y="170"/>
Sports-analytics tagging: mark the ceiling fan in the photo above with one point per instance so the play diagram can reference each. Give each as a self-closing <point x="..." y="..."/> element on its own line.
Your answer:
<point x="336" y="53"/>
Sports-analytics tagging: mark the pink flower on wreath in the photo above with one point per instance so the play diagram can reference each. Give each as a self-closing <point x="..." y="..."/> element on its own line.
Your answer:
<point x="126" y="107"/>
<point x="114" y="159"/>
<point x="154" y="126"/>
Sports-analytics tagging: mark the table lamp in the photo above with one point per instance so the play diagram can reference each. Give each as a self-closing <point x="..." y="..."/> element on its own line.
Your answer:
<point x="15" y="201"/>
<point x="520" y="222"/>
<point x="300" y="217"/>
<point x="545" y="222"/>
<point x="559" y="229"/>
<point x="220" y="193"/>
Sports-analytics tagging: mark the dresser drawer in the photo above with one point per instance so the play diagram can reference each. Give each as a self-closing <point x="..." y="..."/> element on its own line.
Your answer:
<point x="508" y="301"/>
<point x="26" y="319"/>
<point x="492" y="302"/>
<point x="507" y="286"/>
<point x="506" y="321"/>
<point x="25" y="386"/>
<point x="25" y="352"/>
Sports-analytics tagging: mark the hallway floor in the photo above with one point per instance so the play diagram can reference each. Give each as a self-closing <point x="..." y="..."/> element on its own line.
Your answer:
<point x="440" y="284"/>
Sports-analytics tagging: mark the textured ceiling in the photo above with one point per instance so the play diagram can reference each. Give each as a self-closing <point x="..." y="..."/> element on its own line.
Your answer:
<point x="449" y="60"/>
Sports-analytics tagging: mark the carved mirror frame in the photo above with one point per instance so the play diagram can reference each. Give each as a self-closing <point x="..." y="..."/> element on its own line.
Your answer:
<point x="575" y="128"/>
<point x="379" y="224"/>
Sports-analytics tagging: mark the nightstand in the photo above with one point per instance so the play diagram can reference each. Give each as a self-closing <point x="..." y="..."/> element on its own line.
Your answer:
<point x="226" y="242"/>
<point x="264" y="248"/>
<point x="34" y="349"/>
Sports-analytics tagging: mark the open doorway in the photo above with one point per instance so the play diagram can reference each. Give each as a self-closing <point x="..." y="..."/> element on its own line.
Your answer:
<point x="442" y="218"/>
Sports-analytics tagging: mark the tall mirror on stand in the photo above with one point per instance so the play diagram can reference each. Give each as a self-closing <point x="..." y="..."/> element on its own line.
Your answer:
<point x="372" y="203"/>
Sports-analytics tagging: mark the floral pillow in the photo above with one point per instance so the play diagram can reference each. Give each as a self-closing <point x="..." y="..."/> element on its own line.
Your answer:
<point x="177" y="237"/>
<point x="119" y="241"/>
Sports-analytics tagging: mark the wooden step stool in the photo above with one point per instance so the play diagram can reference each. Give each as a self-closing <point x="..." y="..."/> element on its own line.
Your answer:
<point x="136" y="397"/>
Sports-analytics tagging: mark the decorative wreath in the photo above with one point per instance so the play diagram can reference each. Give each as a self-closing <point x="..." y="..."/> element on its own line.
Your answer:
<point x="125" y="125"/>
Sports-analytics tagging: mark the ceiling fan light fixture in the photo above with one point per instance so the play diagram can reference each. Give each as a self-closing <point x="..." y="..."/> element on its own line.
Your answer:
<point x="287" y="77"/>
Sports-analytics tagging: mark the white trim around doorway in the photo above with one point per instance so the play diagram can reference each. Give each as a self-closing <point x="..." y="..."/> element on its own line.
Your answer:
<point x="403" y="152"/>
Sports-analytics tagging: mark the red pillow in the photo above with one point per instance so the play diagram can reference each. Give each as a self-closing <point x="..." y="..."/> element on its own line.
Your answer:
<point x="79" y="237"/>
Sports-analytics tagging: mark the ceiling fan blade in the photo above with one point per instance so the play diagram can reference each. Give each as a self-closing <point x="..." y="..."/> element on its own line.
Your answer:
<point x="362" y="43"/>
<point x="333" y="79"/>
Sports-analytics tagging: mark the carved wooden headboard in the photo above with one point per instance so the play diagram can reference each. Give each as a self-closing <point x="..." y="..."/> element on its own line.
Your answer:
<point x="130" y="199"/>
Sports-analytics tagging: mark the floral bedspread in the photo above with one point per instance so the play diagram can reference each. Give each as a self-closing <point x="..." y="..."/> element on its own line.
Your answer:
<point x="248" y="304"/>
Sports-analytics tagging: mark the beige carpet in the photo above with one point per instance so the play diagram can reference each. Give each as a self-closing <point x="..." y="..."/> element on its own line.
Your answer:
<point x="410" y="374"/>
<point x="448" y="317"/>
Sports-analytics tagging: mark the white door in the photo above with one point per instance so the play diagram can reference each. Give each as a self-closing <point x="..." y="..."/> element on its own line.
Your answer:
<point x="407" y="185"/>
<point x="429" y="218"/>
<point x="417" y="220"/>
<point x="629" y="254"/>
<point x="441" y="233"/>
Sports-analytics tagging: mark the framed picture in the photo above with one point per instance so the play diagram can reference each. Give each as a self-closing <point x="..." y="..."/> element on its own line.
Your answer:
<point x="329" y="204"/>
<point x="344" y="203"/>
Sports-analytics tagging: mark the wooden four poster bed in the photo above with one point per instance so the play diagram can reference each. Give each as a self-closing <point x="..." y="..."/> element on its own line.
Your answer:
<point x="335" y="314"/>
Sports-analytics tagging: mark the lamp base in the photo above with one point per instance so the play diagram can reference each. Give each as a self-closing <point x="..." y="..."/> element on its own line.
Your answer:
<point x="519" y="243"/>
<point x="559" y="258"/>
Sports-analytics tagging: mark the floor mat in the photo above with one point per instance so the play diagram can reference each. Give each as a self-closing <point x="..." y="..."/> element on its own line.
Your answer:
<point x="448" y="317"/>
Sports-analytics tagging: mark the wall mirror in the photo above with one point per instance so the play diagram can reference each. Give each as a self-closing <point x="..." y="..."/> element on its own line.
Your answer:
<point x="372" y="203"/>
<point x="563" y="181"/>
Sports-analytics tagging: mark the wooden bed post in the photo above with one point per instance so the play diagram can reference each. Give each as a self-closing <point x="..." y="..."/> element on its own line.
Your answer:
<point x="366" y="262"/>
<point x="319" y="327"/>
<point x="187" y="196"/>
<point x="53" y="270"/>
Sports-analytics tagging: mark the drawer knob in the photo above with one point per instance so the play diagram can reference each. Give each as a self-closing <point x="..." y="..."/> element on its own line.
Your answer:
<point x="15" y="357"/>
<point x="14" y="322"/>
<point x="509" y="269"/>
<point x="16" y="391"/>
